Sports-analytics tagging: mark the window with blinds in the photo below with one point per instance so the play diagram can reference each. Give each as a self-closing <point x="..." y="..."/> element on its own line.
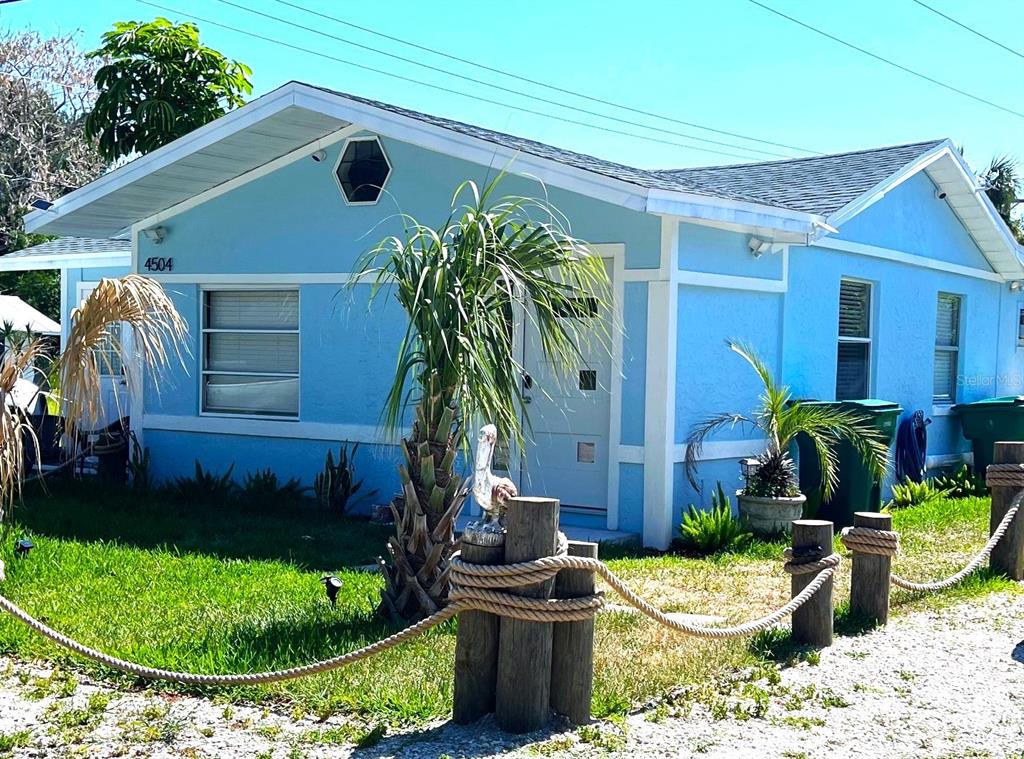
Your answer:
<point x="947" y="347"/>
<point x="853" y="365"/>
<point x="251" y="352"/>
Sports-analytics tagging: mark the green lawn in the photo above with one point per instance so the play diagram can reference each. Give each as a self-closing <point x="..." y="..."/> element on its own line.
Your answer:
<point x="214" y="589"/>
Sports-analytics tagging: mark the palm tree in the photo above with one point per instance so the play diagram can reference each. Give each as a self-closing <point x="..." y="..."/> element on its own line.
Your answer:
<point x="462" y="286"/>
<point x="158" y="331"/>
<point x="1002" y="183"/>
<point x="782" y="419"/>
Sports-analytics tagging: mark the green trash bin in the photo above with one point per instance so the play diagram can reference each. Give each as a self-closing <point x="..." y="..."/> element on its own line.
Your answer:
<point x="988" y="421"/>
<point x="856" y="490"/>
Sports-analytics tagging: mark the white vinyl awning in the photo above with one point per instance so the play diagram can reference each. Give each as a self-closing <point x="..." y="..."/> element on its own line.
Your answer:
<point x="19" y="313"/>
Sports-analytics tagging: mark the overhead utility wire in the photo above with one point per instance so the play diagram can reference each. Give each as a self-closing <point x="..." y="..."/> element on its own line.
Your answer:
<point x="970" y="29"/>
<point x="482" y="83"/>
<point x="540" y="83"/>
<point x="887" y="61"/>
<point x="438" y="87"/>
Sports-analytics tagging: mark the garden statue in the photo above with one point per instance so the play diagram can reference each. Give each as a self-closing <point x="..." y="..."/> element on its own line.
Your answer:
<point x="489" y="491"/>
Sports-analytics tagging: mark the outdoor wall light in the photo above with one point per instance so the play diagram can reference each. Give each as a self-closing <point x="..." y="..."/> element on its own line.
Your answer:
<point x="1015" y="286"/>
<point x="22" y="547"/>
<point x="155" y="235"/>
<point x="332" y="585"/>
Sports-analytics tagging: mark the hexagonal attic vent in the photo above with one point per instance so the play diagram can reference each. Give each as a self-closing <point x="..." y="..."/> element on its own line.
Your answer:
<point x="362" y="170"/>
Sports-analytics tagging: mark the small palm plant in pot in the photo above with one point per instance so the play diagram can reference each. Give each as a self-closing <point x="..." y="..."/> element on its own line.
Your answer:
<point x="771" y="498"/>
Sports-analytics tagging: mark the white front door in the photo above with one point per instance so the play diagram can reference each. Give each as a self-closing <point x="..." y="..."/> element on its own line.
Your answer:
<point x="566" y="453"/>
<point x="114" y="394"/>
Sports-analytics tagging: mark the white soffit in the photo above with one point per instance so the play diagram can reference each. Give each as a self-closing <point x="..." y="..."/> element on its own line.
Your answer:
<point x="216" y="153"/>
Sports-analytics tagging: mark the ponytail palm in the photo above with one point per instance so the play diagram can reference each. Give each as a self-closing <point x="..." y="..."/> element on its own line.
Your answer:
<point x="782" y="419"/>
<point x="462" y="286"/>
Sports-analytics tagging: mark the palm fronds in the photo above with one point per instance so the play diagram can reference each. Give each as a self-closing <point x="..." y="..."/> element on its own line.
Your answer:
<point x="782" y="419"/>
<point x="95" y="345"/>
<point x="16" y="433"/>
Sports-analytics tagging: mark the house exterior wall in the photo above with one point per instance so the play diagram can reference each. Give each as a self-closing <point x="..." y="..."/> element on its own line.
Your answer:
<point x="796" y="331"/>
<point x="294" y="223"/>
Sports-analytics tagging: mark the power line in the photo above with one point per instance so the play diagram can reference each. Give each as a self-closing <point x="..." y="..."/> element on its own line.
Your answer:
<point x="972" y="30"/>
<point x="887" y="61"/>
<point x="482" y="83"/>
<point x="441" y="88"/>
<point x="539" y="83"/>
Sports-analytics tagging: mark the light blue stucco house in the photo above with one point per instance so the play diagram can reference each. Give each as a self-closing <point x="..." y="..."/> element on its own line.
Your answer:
<point x="880" y="273"/>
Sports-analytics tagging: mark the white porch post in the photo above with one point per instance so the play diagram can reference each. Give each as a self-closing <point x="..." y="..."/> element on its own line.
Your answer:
<point x="659" y="412"/>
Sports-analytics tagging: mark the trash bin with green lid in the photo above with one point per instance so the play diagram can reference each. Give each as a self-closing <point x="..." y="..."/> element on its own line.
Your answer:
<point x="988" y="421"/>
<point x="857" y="489"/>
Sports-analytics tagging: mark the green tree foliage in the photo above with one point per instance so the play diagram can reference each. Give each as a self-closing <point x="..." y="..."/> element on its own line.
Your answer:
<point x="1002" y="183"/>
<point x="158" y="84"/>
<point x="40" y="289"/>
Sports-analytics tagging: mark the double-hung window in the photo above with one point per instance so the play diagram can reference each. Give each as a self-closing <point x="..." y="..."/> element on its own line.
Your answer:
<point x="947" y="347"/>
<point x="251" y="352"/>
<point x="853" y="365"/>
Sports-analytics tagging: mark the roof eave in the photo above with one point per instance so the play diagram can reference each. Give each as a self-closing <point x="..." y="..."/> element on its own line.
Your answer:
<point x="65" y="260"/>
<point x="742" y="213"/>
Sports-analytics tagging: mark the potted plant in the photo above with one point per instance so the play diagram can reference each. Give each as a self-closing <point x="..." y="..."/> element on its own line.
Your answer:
<point x="771" y="498"/>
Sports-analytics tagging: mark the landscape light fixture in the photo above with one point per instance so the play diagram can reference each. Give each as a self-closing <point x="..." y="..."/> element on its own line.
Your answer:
<point x="22" y="547"/>
<point x="332" y="585"/>
<point x="748" y="468"/>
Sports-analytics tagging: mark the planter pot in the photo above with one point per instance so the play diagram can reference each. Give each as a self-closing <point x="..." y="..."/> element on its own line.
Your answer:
<point x="770" y="516"/>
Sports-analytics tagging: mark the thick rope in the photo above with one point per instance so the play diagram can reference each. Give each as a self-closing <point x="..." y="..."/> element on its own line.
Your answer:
<point x="870" y="540"/>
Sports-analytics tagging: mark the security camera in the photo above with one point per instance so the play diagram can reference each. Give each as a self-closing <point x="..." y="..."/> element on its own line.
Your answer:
<point x="940" y="194"/>
<point x="155" y="235"/>
<point x="319" y="155"/>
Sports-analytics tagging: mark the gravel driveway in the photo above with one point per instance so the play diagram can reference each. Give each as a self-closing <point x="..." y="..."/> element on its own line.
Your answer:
<point x="947" y="684"/>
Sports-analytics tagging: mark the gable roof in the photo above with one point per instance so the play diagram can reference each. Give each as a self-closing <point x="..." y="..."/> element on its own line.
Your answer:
<point x="20" y="314"/>
<point x="818" y="184"/>
<point x="793" y="200"/>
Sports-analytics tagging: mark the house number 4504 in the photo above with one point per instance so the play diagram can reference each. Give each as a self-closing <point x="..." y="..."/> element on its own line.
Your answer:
<point x="159" y="263"/>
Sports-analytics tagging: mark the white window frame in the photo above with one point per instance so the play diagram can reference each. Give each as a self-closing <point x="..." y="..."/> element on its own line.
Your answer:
<point x="341" y="156"/>
<point x="869" y="340"/>
<point x="954" y="349"/>
<point x="1020" y="325"/>
<point x="204" y="331"/>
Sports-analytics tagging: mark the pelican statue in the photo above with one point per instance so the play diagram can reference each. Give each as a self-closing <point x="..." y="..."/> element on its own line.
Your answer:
<point x="490" y="491"/>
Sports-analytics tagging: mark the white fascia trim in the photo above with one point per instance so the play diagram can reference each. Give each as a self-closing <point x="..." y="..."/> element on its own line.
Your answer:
<point x="715" y="450"/>
<point x="282" y="278"/>
<point x="270" y="428"/>
<point x="473" y="149"/>
<point x="730" y="282"/>
<point x="249" y="176"/>
<point x="66" y="261"/>
<point x="910" y="259"/>
<point x="203" y="137"/>
<point x="734" y="212"/>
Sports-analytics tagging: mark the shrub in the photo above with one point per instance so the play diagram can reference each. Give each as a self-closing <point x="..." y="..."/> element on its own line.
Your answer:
<point x="962" y="483"/>
<point x="336" y="485"/>
<point x="775" y="476"/>
<point x="140" y="467"/>
<point x="714" y="530"/>
<point x="912" y="493"/>
<point x="264" y="490"/>
<point x="205" y="486"/>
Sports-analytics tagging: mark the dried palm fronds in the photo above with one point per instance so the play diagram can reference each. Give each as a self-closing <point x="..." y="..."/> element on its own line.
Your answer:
<point x="95" y="339"/>
<point x="16" y="433"/>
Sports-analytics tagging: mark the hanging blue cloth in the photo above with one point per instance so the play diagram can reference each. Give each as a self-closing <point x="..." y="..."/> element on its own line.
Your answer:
<point x="912" y="447"/>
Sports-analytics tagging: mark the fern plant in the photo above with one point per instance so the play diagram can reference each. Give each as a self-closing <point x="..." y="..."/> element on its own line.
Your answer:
<point x="910" y="493"/>
<point x="264" y="490"/>
<point x="337" y="485"/>
<point x="711" y="531"/>
<point x="205" y="486"/>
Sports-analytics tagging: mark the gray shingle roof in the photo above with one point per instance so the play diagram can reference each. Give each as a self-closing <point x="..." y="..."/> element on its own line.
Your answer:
<point x="72" y="245"/>
<point x="818" y="185"/>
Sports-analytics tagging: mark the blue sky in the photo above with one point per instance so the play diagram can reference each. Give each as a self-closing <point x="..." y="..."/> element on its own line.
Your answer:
<point x="726" y="64"/>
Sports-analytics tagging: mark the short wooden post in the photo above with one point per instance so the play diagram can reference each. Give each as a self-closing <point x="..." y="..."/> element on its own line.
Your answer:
<point x="812" y="622"/>
<point x="523" y="697"/>
<point x="869" y="578"/>
<point x="476" y="646"/>
<point x="1008" y="556"/>
<point x="572" y="649"/>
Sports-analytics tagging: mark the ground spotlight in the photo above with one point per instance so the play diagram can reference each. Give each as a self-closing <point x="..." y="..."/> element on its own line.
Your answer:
<point x="332" y="585"/>
<point x="22" y="547"/>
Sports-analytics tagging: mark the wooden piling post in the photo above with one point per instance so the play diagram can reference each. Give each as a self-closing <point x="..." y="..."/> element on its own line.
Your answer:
<point x="812" y="622"/>
<point x="869" y="578"/>
<point x="476" y="646"/>
<point x="523" y="696"/>
<point x="572" y="650"/>
<point x="1008" y="556"/>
